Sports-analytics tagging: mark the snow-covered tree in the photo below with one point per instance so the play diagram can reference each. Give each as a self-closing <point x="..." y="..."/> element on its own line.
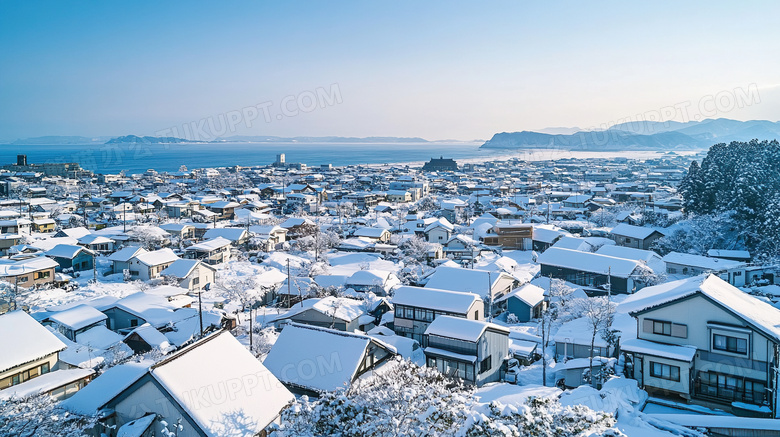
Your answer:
<point x="41" y="416"/>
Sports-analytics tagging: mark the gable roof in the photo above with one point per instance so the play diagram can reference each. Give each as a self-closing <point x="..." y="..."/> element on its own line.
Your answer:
<point x="126" y="253"/>
<point x="79" y="316"/>
<point x="232" y="234"/>
<point x="638" y="232"/>
<point x="157" y="257"/>
<point x="335" y="356"/>
<point x="30" y="340"/>
<point x="252" y="396"/>
<point x="466" y="280"/>
<point x="66" y="251"/>
<point x="702" y="262"/>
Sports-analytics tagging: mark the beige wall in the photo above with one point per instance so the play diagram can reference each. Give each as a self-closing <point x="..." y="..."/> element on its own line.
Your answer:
<point x="6" y="377"/>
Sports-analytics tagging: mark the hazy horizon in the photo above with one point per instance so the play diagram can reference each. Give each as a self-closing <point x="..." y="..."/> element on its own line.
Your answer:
<point x="436" y="70"/>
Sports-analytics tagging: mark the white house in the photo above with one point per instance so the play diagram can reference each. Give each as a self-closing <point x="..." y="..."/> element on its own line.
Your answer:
<point x="149" y="265"/>
<point x="192" y="274"/>
<point x="705" y="340"/>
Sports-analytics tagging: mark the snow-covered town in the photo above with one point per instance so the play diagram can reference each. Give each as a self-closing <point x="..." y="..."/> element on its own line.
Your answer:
<point x="459" y="299"/>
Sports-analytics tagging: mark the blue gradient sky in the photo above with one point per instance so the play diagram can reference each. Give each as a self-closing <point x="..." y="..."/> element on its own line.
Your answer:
<point x="431" y="69"/>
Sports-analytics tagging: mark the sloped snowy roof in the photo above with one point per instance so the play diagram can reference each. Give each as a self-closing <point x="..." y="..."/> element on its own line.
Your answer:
<point x="232" y="234"/>
<point x="180" y="268"/>
<point x="530" y="294"/>
<point x="152" y="337"/>
<point x="98" y="337"/>
<point x="460" y="328"/>
<point x="368" y="277"/>
<point x="369" y="232"/>
<point x="467" y="280"/>
<point x="126" y="253"/>
<point x="331" y="357"/>
<point x="24" y="340"/>
<point x="588" y="262"/>
<point x="105" y="387"/>
<point x="13" y="268"/>
<point x="157" y="257"/>
<point x="78" y="317"/>
<point x="638" y="232"/>
<point x="435" y="299"/>
<point x="758" y="313"/>
<point x="209" y="245"/>
<point x="673" y="352"/>
<point x="65" y="251"/>
<point x="219" y="361"/>
<point x="44" y="383"/>
<point x="701" y="262"/>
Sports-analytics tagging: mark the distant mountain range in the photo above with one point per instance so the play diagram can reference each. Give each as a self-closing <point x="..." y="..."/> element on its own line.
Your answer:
<point x="134" y="139"/>
<point x="642" y="135"/>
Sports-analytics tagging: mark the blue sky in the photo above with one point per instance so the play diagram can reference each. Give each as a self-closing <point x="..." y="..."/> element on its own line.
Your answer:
<point x="431" y="69"/>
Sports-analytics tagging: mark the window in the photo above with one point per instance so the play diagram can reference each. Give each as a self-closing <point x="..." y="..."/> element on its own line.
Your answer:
<point x="628" y="240"/>
<point x="476" y="315"/>
<point x="44" y="368"/>
<point x="23" y="279"/>
<point x="133" y="322"/>
<point x="726" y="343"/>
<point x="662" y="328"/>
<point x="664" y="371"/>
<point x="195" y="281"/>
<point x="485" y="365"/>
<point x="41" y="275"/>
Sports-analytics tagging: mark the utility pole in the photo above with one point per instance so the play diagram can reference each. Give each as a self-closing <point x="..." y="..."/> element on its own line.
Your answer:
<point x="609" y="284"/>
<point x="289" y="283"/>
<point x="124" y="217"/>
<point x="490" y="296"/>
<point x="200" y="306"/>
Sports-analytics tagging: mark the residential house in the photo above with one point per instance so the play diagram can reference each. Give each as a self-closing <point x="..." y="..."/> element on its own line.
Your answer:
<point x="638" y="237"/>
<point x="471" y="350"/>
<point x="213" y="251"/>
<point x="225" y="209"/>
<point x="490" y="286"/>
<point x="339" y="313"/>
<point x="375" y="234"/>
<point x="313" y="360"/>
<point x="183" y="231"/>
<point x="416" y="307"/>
<point x="517" y="236"/>
<point x="43" y="225"/>
<point x="76" y="320"/>
<point x="28" y="272"/>
<point x="525" y="302"/>
<point x="268" y="237"/>
<point x="379" y="282"/>
<point x="236" y="236"/>
<point x="120" y="260"/>
<point x="734" y="272"/>
<point x="705" y="340"/>
<point x="148" y="265"/>
<point x="158" y="399"/>
<point x="598" y="272"/>
<point x="438" y="231"/>
<point x="98" y="243"/>
<point x="72" y="257"/>
<point x="191" y="274"/>
<point x="29" y="349"/>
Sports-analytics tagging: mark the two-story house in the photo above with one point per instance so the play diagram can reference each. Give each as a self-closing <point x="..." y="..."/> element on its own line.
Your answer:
<point x="472" y="350"/>
<point x="417" y="307"/>
<point x="638" y="237"/>
<point x="708" y="342"/>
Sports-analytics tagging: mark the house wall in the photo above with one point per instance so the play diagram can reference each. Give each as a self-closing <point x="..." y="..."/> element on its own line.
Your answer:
<point x="438" y="235"/>
<point x="6" y="378"/>
<point x="702" y="323"/>
<point x="202" y="274"/>
<point x="121" y="319"/>
<point x="522" y="310"/>
<point x="495" y="346"/>
<point x="32" y="279"/>
<point x="619" y="285"/>
<point x="415" y="329"/>
<point x="148" y="398"/>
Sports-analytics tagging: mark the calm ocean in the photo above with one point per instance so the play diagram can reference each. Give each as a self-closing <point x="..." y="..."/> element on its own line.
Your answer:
<point x="137" y="158"/>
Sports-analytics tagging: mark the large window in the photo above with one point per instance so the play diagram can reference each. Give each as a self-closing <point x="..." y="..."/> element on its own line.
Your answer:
<point x="730" y="344"/>
<point x="664" y="371"/>
<point x="731" y="388"/>
<point x="662" y="328"/>
<point x="485" y="365"/>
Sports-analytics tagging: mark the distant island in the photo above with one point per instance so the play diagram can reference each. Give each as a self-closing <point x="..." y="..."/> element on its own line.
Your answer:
<point x="642" y="135"/>
<point x="133" y="139"/>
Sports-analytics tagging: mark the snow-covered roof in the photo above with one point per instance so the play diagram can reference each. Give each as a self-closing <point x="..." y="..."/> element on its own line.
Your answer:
<point x="105" y="387"/>
<point x="76" y="232"/>
<point x="13" y="268"/>
<point x="701" y="262"/>
<point x="467" y="280"/>
<point x="758" y="313"/>
<point x="232" y="234"/>
<point x="578" y="331"/>
<point x="631" y="231"/>
<point x="573" y="243"/>
<point x="460" y="328"/>
<point x="77" y="317"/>
<point x="588" y="262"/>
<point x="369" y="277"/>
<point x="45" y="383"/>
<point x="98" y="337"/>
<point x="440" y="223"/>
<point x="210" y="363"/>
<point x="673" y="352"/>
<point x="126" y="253"/>
<point x="24" y="340"/>
<point x="152" y="337"/>
<point x="435" y="299"/>
<point x="180" y="268"/>
<point x="94" y="239"/>
<point x="335" y="356"/>
<point x="546" y="235"/>
<point x="723" y="253"/>
<point x="157" y="257"/>
<point x="209" y="245"/>
<point x="65" y="251"/>
<point x="369" y="232"/>
<point x="530" y="294"/>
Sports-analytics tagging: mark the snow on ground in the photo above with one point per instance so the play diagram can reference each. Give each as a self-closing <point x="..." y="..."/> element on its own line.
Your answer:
<point x="510" y="394"/>
<point x="347" y="263"/>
